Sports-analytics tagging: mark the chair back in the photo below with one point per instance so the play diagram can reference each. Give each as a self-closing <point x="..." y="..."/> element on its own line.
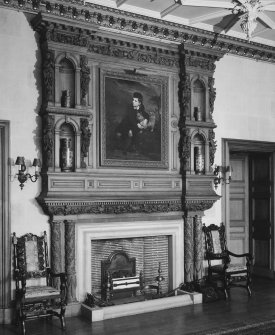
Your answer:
<point x="215" y="240"/>
<point x="30" y="257"/>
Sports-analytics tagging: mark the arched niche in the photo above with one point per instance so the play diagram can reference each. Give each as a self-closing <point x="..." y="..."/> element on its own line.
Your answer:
<point x="199" y="153"/>
<point x="198" y="100"/>
<point x="67" y="80"/>
<point x="67" y="147"/>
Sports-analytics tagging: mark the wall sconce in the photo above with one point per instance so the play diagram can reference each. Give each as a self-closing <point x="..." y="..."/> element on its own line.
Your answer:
<point x="22" y="175"/>
<point x="223" y="175"/>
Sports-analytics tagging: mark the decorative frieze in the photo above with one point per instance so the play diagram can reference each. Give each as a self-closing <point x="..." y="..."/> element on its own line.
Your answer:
<point x="111" y="207"/>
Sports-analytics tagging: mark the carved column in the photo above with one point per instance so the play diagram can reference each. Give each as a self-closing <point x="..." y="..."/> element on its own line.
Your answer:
<point x="70" y="260"/>
<point x="56" y="252"/>
<point x="188" y="249"/>
<point x="198" y="248"/>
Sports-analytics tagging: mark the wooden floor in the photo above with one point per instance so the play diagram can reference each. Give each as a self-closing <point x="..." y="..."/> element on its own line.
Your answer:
<point x="238" y="309"/>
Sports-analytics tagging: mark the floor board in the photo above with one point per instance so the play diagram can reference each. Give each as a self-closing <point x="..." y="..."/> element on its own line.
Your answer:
<point x="237" y="310"/>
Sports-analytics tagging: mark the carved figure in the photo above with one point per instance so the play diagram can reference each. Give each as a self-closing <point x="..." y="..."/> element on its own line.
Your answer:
<point x="212" y="146"/>
<point x="212" y="94"/>
<point x="85" y="140"/>
<point x="84" y="79"/>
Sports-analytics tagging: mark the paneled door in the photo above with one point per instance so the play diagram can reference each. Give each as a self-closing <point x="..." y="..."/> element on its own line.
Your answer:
<point x="260" y="203"/>
<point x="239" y="204"/>
<point x="251" y="210"/>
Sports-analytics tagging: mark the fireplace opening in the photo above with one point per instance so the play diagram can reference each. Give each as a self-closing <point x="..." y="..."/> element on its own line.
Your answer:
<point x="139" y="258"/>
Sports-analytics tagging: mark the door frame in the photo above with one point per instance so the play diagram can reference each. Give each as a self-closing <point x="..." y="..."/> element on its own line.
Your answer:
<point x="236" y="145"/>
<point x="5" y="225"/>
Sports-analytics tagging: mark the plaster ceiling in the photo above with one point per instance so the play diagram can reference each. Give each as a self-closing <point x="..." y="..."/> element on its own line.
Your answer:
<point x="213" y="15"/>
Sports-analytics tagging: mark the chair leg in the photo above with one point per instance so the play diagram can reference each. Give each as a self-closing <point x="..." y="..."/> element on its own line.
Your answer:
<point x="248" y="283"/>
<point x="23" y="327"/>
<point x="225" y="286"/>
<point x="62" y="317"/>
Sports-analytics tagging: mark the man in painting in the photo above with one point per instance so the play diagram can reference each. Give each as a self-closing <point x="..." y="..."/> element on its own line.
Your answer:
<point x="128" y="129"/>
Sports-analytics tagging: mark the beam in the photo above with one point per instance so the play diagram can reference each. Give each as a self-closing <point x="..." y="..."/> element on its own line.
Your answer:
<point x="266" y="20"/>
<point x="169" y="10"/>
<point x="120" y="3"/>
<point x="209" y="16"/>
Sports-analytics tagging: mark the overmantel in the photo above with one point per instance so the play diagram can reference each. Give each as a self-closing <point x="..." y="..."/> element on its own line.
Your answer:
<point x="110" y="192"/>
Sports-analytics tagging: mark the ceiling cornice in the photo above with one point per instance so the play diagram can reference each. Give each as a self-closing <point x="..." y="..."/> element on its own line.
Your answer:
<point x="95" y="17"/>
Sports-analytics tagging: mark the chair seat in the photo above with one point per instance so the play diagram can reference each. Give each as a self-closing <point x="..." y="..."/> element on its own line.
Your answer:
<point x="231" y="268"/>
<point x="41" y="291"/>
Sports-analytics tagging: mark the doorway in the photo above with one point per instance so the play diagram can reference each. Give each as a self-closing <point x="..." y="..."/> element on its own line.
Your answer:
<point x="5" y="233"/>
<point x="249" y="202"/>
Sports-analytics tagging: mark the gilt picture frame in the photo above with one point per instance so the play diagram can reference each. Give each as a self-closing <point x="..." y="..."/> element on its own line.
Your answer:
<point x="143" y="144"/>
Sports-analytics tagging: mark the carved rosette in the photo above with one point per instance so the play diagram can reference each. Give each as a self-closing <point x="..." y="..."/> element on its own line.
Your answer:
<point x="212" y="146"/>
<point x="56" y="258"/>
<point x="188" y="250"/>
<point x="70" y="260"/>
<point x="85" y="140"/>
<point x="48" y="140"/>
<point x="84" y="79"/>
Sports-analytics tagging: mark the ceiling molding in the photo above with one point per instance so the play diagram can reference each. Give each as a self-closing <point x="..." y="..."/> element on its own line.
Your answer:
<point x="101" y="18"/>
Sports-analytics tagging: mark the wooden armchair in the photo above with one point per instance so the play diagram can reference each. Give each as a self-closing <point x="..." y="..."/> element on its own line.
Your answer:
<point x="231" y="274"/>
<point x="35" y="295"/>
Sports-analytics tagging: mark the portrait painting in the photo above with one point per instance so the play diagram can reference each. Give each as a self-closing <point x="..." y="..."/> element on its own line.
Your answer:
<point x="133" y="120"/>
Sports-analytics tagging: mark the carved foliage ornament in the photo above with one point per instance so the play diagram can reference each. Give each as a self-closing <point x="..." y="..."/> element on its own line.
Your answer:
<point x="184" y="149"/>
<point x="212" y="94"/>
<point x="48" y="75"/>
<point x="198" y="205"/>
<point x="111" y="208"/>
<point x="48" y="140"/>
<point x="110" y="48"/>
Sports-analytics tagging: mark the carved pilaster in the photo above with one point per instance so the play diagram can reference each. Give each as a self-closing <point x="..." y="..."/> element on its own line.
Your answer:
<point x="188" y="250"/>
<point x="70" y="260"/>
<point x="56" y="252"/>
<point x="48" y="76"/>
<point x="198" y="248"/>
<point x="48" y="141"/>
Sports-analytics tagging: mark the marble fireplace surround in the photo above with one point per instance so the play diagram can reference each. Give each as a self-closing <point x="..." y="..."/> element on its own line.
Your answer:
<point x="85" y="232"/>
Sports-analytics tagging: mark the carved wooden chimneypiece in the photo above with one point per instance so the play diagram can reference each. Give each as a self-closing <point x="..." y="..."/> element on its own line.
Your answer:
<point x="118" y="276"/>
<point x="78" y="184"/>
